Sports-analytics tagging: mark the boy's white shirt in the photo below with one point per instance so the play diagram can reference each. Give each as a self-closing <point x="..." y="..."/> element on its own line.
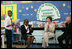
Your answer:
<point x="8" y="22"/>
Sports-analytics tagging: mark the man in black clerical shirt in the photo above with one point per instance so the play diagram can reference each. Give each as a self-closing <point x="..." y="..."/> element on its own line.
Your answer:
<point x="67" y="33"/>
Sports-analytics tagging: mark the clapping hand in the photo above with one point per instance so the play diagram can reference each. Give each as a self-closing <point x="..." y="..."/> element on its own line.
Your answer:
<point x="63" y="24"/>
<point x="31" y="28"/>
<point x="13" y="24"/>
<point x="47" y="26"/>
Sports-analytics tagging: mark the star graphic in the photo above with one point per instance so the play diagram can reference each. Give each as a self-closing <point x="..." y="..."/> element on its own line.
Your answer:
<point x="35" y="10"/>
<point x="20" y="11"/>
<point x="22" y="7"/>
<point x="31" y="6"/>
<point x="64" y="4"/>
<point x="27" y="8"/>
<point x="68" y="6"/>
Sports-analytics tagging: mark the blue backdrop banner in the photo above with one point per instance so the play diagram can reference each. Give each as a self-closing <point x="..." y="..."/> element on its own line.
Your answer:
<point x="29" y="10"/>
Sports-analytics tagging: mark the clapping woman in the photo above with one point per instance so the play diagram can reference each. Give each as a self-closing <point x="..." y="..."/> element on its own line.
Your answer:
<point x="48" y="31"/>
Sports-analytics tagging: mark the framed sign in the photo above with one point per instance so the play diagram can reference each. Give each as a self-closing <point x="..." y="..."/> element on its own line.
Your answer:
<point x="4" y="11"/>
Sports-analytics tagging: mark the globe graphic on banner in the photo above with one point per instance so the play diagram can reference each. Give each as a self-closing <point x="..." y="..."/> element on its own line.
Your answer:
<point x="47" y="9"/>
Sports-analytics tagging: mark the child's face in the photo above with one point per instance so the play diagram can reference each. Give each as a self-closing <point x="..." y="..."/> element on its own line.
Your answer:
<point x="18" y="23"/>
<point x="26" y="23"/>
<point x="10" y="14"/>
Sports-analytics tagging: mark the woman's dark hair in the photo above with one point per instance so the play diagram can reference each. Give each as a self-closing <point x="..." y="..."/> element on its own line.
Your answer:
<point x="26" y="20"/>
<point x="49" y="18"/>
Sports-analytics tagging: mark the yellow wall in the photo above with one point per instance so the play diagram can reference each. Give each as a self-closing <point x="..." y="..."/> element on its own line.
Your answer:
<point x="12" y="7"/>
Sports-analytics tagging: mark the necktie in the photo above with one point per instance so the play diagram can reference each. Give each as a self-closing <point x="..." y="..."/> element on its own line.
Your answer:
<point x="11" y="23"/>
<point x="11" y="20"/>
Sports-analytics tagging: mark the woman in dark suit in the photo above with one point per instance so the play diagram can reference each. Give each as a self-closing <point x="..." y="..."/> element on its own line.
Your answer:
<point x="26" y="32"/>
